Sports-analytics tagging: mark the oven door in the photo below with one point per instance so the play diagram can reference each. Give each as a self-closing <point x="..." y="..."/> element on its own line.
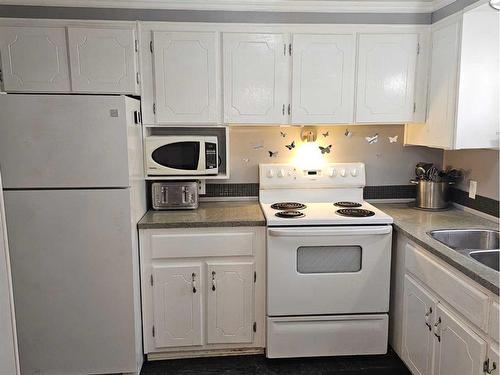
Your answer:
<point x="175" y="155"/>
<point x="328" y="270"/>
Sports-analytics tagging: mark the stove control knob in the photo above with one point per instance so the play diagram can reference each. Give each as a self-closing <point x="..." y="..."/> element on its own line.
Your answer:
<point x="270" y="173"/>
<point x="354" y="172"/>
<point x="281" y="173"/>
<point x="332" y="172"/>
<point x="343" y="172"/>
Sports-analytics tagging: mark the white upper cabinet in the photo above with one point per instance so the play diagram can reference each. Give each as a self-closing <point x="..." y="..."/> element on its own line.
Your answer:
<point x="34" y="59"/>
<point x="439" y="129"/>
<point x="323" y="78"/>
<point x="478" y="114"/>
<point x="386" y="78"/>
<point x="103" y="60"/>
<point x="177" y="305"/>
<point x="464" y="83"/>
<point x="186" y="77"/>
<point x="230" y="302"/>
<point x="256" y="78"/>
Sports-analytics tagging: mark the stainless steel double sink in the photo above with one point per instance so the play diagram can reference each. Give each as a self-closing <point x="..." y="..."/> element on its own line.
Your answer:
<point x="482" y="245"/>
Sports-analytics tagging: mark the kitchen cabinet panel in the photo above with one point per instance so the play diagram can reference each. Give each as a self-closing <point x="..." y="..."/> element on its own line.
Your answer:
<point x="418" y="319"/>
<point x="256" y="78"/>
<point x="230" y="302"/>
<point x="386" y="78"/>
<point x="103" y="60"/>
<point x="34" y="59"/>
<point x="323" y="78"/>
<point x="177" y="308"/>
<point x="186" y="77"/>
<point x="460" y="351"/>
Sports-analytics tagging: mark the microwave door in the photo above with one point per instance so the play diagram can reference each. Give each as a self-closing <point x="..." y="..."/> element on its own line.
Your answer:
<point x="176" y="158"/>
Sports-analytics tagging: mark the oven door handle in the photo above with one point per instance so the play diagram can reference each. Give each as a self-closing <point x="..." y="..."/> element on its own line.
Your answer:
<point x="301" y="232"/>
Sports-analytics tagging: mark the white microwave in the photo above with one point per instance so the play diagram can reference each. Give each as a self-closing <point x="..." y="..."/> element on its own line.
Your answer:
<point x="181" y="155"/>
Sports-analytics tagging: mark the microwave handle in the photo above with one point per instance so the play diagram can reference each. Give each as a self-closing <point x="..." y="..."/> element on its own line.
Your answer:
<point x="299" y="232"/>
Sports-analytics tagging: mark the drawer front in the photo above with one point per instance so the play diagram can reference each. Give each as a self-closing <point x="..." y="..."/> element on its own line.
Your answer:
<point x="469" y="301"/>
<point x="493" y="326"/>
<point x="188" y="245"/>
<point x="312" y="336"/>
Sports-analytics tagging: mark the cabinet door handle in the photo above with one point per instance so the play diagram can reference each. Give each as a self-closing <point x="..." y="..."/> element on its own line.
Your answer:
<point x="283" y="110"/>
<point x="213" y="281"/>
<point x="437" y="329"/>
<point x="193" y="282"/>
<point x="428" y="315"/>
<point x="486" y="367"/>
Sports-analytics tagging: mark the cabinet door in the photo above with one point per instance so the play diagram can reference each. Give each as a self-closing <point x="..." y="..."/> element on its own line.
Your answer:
<point x="34" y="59"/>
<point x="459" y="350"/>
<point x="386" y="77"/>
<point x="103" y="60"/>
<point x="186" y="77"/>
<point x="230" y="302"/>
<point x="177" y="305"/>
<point x="443" y="87"/>
<point x="256" y="78"/>
<point x="418" y="318"/>
<point x="323" y="78"/>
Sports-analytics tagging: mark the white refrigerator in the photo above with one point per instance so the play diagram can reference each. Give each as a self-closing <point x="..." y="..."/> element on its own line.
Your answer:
<point x="74" y="191"/>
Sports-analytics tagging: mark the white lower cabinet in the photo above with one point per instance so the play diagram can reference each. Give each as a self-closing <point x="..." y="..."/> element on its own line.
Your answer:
<point x="177" y="305"/>
<point x="438" y="336"/>
<point x="203" y="291"/>
<point x="460" y="351"/>
<point x="418" y="319"/>
<point x="230" y="302"/>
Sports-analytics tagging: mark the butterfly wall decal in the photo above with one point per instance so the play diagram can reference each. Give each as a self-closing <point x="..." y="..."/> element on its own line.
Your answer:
<point x="291" y="145"/>
<point x="348" y="133"/>
<point x="325" y="150"/>
<point x="283" y="134"/>
<point x="393" y="139"/>
<point x="326" y="134"/>
<point x="257" y="146"/>
<point x="372" y="140"/>
<point x="273" y="154"/>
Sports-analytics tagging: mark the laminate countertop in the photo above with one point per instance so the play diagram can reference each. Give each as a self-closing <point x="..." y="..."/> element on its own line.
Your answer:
<point x="208" y="214"/>
<point x="416" y="224"/>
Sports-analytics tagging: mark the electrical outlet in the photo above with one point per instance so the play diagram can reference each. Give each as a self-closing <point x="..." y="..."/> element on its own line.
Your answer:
<point x="472" y="189"/>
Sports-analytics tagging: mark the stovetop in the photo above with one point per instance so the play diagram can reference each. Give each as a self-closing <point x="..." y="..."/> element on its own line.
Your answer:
<point x="331" y="195"/>
<point x="324" y="213"/>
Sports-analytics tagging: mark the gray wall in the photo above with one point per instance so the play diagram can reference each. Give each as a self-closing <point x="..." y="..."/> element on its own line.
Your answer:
<point x="21" y="11"/>
<point x="479" y="165"/>
<point x="386" y="163"/>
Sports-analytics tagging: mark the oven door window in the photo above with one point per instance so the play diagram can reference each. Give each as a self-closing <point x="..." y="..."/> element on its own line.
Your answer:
<point x="178" y="155"/>
<point x="328" y="259"/>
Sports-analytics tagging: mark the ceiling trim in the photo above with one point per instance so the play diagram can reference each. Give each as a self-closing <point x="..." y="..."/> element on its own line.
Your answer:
<point x="314" y="6"/>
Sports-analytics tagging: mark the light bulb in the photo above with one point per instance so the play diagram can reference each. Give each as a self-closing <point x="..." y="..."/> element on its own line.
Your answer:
<point x="308" y="157"/>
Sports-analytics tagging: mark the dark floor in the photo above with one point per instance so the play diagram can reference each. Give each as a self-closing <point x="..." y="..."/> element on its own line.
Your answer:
<point x="389" y="364"/>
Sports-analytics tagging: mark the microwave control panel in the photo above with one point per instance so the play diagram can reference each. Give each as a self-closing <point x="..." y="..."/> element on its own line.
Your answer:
<point x="210" y="155"/>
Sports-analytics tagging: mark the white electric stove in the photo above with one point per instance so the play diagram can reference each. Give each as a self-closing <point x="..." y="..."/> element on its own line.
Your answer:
<point x="328" y="262"/>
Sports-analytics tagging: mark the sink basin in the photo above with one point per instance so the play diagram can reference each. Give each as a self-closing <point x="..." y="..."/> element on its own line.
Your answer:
<point x="490" y="258"/>
<point x="476" y="239"/>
